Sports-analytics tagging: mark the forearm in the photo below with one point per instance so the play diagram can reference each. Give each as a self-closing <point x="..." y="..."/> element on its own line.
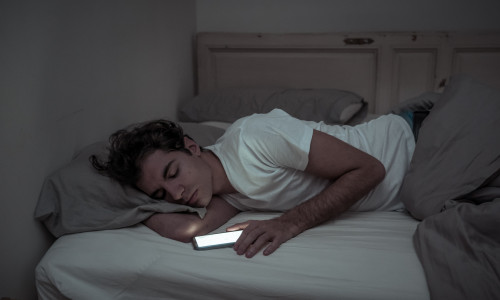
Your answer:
<point x="184" y="226"/>
<point x="335" y="199"/>
<point x="353" y="173"/>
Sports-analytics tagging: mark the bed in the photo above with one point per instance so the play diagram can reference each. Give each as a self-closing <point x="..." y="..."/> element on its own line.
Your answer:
<point x="443" y="245"/>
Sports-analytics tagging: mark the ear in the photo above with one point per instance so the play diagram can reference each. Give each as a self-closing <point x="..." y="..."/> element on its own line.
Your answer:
<point x="192" y="146"/>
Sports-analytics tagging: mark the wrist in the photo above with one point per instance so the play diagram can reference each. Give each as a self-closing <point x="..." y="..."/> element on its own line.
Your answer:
<point x="295" y="226"/>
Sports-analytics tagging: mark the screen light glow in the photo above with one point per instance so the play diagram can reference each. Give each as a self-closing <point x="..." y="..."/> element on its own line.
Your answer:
<point x="216" y="240"/>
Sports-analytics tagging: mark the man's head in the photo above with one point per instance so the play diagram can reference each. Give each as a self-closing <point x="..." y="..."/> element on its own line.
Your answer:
<point x="129" y="147"/>
<point x="160" y="160"/>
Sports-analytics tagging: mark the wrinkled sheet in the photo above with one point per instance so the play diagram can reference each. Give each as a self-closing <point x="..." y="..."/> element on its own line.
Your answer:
<point x="361" y="255"/>
<point x="460" y="249"/>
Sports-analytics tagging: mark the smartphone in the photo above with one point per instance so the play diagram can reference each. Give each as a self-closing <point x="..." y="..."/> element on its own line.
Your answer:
<point x="216" y="240"/>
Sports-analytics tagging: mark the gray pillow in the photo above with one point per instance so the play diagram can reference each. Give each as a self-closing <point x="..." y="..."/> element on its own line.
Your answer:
<point x="422" y="102"/>
<point x="228" y="105"/>
<point x="76" y="198"/>
<point x="458" y="148"/>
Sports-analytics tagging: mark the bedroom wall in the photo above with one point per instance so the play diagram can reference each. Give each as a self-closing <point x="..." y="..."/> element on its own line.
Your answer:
<point x="285" y="16"/>
<point x="71" y="72"/>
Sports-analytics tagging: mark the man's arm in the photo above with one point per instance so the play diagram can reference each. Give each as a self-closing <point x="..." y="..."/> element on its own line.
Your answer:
<point x="353" y="174"/>
<point x="184" y="226"/>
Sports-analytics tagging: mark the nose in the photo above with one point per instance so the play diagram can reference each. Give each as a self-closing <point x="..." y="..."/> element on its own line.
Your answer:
<point x="175" y="190"/>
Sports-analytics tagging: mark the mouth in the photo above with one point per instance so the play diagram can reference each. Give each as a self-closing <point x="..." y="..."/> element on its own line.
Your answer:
<point x="193" y="199"/>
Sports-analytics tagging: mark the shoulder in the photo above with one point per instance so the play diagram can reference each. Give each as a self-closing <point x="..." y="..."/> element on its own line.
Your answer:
<point x="393" y="123"/>
<point x="274" y="123"/>
<point x="274" y="136"/>
<point x="256" y="126"/>
<point x="270" y="119"/>
<point x="388" y="119"/>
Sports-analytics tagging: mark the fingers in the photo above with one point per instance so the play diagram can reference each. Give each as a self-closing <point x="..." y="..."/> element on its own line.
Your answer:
<point x="239" y="226"/>
<point x="244" y="241"/>
<point x="251" y="242"/>
<point x="272" y="247"/>
<point x="255" y="237"/>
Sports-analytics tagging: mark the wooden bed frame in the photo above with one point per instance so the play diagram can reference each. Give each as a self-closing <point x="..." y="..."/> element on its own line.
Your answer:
<point x="384" y="68"/>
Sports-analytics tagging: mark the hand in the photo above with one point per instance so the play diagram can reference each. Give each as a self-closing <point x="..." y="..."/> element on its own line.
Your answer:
<point x="257" y="234"/>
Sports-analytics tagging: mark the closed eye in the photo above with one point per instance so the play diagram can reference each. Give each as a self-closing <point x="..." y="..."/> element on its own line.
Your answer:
<point x="158" y="194"/>
<point x="171" y="171"/>
<point x="174" y="175"/>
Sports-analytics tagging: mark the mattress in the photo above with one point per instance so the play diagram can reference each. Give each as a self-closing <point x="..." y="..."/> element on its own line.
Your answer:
<point x="360" y="255"/>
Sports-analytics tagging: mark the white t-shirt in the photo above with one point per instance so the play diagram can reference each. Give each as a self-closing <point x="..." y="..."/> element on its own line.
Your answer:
<point x="264" y="156"/>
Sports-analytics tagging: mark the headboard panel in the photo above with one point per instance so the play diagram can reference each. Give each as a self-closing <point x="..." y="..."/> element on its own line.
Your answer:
<point x="384" y="68"/>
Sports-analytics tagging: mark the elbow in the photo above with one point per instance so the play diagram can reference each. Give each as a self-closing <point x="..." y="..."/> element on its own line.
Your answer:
<point x="179" y="236"/>
<point x="372" y="171"/>
<point x="378" y="171"/>
<point x="184" y="235"/>
<point x="171" y="227"/>
<point x="185" y="238"/>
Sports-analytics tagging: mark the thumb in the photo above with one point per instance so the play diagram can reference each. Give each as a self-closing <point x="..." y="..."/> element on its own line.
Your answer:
<point x="239" y="226"/>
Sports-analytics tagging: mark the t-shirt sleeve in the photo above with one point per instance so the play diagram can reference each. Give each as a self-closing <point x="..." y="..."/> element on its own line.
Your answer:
<point x="277" y="139"/>
<point x="259" y="150"/>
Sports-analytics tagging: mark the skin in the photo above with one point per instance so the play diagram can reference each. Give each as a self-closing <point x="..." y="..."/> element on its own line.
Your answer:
<point x="193" y="180"/>
<point x="201" y="178"/>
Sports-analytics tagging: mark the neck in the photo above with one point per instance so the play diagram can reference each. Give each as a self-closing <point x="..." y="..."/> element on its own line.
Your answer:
<point x="220" y="183"/>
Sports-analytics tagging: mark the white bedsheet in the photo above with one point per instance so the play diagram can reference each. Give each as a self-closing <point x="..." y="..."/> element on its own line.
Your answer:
<point x="366" y="255"/>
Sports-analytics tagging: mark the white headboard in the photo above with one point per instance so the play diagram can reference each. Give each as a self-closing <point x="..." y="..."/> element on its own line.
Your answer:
<point x="384" y="68"/>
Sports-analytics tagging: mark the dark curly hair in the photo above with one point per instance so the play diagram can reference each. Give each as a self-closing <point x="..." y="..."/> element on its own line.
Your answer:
<point x="128" y="147"/>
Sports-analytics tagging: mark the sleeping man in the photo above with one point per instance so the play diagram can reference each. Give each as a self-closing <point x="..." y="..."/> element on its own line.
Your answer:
<point x="312" y="172"/>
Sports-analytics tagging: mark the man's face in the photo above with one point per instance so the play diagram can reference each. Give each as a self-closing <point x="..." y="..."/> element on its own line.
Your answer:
<point x="177" y="177"/>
